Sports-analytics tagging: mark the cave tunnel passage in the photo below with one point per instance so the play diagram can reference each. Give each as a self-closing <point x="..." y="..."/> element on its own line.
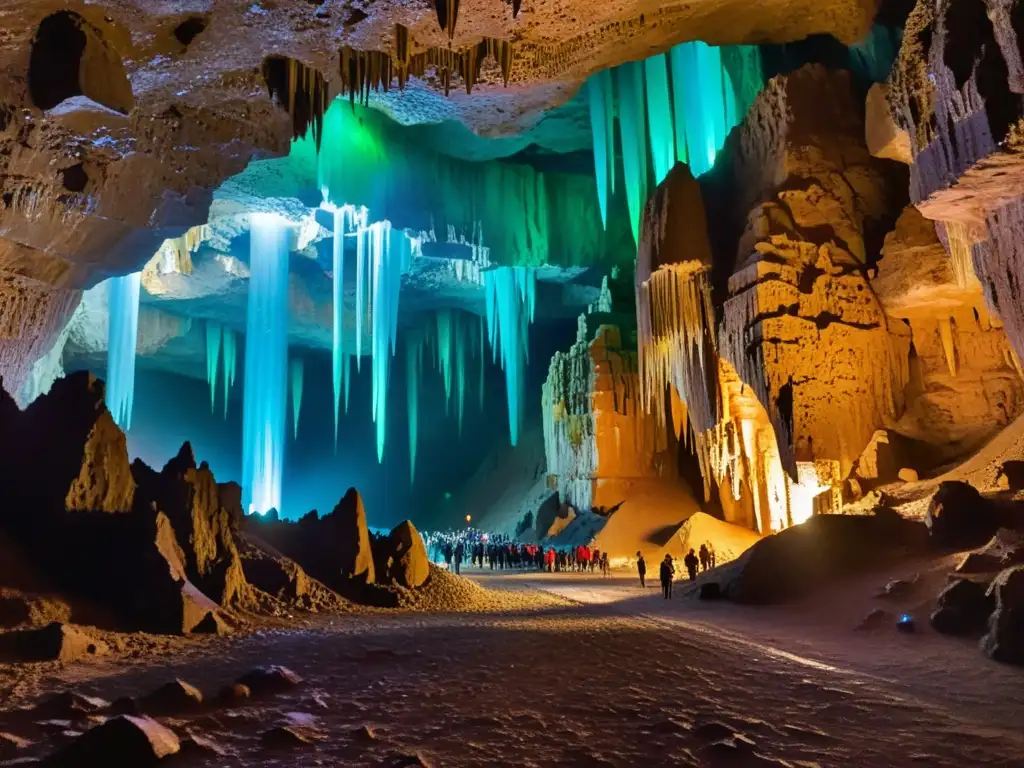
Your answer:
<point x="56" y="58"/>
<point x="70" y="57"/>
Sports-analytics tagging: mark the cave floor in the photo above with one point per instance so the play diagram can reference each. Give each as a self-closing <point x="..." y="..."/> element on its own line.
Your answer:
<point x="618" y="678"/>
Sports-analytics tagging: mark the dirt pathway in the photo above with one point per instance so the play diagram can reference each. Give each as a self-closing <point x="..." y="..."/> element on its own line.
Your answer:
<point x="611" y="681"/>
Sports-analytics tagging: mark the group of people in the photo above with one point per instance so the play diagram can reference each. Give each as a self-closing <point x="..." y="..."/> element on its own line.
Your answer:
<point x="705" y="560"/>
<point x="501" y="552"/>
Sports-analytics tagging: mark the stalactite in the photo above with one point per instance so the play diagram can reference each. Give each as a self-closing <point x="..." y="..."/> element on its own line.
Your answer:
<point x="414" y="373"/>
<point x="630" y="83"/>
<point x="296" y="370"/>
<point x="338" y="307"/>
<point x="947" y="334"/>
<point x="230" y="344"/>
<point x="460" y="367"/>
<point x="299" y="89"/>
<point x="444" y="352"/>
<point x="266" y="361"/>
<point x="602" y="111"/>
<point x="213" y="342"/>
<point x="122" y="340"/>
<point x="703" y="102"/>
<point x="483" y="362"/>
<point x="659" y="116"/>
<point x="447" y="15"/>
<point x="510" y="296"/>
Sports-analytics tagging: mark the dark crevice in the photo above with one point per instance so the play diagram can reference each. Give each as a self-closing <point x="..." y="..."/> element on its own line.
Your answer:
<point x="967" y="29"/>
<point x="74" y="178"/>
<point x="189" y="29"/>
<point x="54" y="63"/>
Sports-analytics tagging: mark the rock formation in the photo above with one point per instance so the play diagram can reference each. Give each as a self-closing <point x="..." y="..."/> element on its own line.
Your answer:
<point x="598" y="439"/>
<point x="964" y="377"/>
<point x="955" y="91"/>
<point x="798" y="204"/>
<point x="404" y="556"/>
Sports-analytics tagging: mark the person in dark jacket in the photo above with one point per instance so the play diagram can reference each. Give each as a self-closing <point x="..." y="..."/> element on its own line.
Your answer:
<point x="691" y="562"/>
<point x="668" y="571"/>
<point x="641" y="568"/>
<point x="459" y="552"/>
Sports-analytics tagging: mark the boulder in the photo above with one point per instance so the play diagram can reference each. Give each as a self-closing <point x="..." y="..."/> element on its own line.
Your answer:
<point x="959" y="517"/>
<point x="173" y="698"/>
<point x="54" y="642"/>
<point x="272" y="572"/>
<point x="1011" y="476"/>
<point x="797" y="560"/>
<point x="963" y="608"/>
<point x="124" y="740"/>
<point x="405" y="556"/>
<point x="269" y="680"/>
<point x="69" y="705"/>
<point x="1005" y="638"/>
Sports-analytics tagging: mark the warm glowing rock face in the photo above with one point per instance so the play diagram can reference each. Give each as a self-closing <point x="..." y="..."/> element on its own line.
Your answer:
<point x="784" y="392"/>
<point x="964" y="376"/>
<point x="597" y="436"/>
<point x="956" y="91"/>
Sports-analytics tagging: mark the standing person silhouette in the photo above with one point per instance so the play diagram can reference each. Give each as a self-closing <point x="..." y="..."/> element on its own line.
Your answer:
<point x="641" y="569"/>
<point x="668" y="571"/>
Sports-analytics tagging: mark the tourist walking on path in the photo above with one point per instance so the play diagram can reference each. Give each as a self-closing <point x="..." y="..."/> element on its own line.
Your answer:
<point x="641" y="568"/>
<point x="668" y="570"/>
<point x="691" y="563"/>
<point x="705" y="558"/>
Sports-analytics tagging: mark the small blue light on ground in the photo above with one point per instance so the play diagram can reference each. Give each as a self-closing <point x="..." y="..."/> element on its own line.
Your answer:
<point x="905" y="623"/>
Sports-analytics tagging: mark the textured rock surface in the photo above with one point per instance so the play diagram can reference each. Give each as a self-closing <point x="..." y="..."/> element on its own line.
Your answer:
<point x="1005" y="638"/>
<point x="964" y="380"/>
<point x="956" y="91"/>
<point x="404" y="556"/>
<point x="801" y="326"/>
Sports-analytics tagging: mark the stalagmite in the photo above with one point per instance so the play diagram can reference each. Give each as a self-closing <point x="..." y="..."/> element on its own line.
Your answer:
<point x="630" y="83"/>
<point x="296" y="370"/>
<point x="230" y="345"/>
<point x="266" y="360"/>
<point x="659" y="116"/>
<point x="122" y="339"/>
<point x="213" y="341"/>
<point x="602" y="110"/>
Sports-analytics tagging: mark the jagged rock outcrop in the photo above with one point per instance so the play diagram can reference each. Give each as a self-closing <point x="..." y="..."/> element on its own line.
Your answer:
<point x="959" y="517"/>
<point x="205" y="529"/>
<point x="334" y="549"/>
<point x="76" y="513"/>
<point x="964" y="376"/>
<point x="1005" y="639"/>
<point x="956" y="91"/>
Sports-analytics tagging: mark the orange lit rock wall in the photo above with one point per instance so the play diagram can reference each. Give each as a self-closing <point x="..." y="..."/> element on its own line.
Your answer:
<point x="598" y="439"/>
<point x="965" y="381"/>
